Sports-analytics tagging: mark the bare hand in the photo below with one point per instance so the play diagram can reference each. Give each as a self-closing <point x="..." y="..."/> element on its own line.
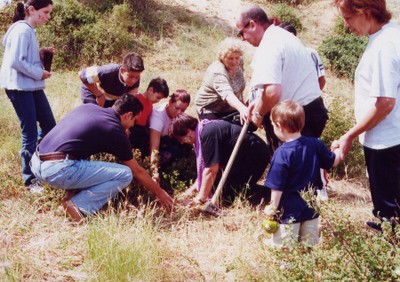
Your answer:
<point x="165" y="200"/>
<point x="244" y="115"/>
<point x="270" y="211"/>
<point x="256" y="120"/>
<point x="101" y="100"/>
<point x="342" y="146"/>
<point x="46" y="75"/>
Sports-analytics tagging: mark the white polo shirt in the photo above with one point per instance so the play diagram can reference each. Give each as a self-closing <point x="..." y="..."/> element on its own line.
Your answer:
<point x="282" y="59"/>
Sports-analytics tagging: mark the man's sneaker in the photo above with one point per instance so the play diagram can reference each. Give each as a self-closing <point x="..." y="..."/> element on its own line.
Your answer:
<point x="374" y="225"/>
<point x="36" y="188"/>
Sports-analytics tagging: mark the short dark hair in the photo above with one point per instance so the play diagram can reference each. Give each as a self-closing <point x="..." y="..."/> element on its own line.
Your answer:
<point x="255" y="13"/>
<point x="181" y="124"/>
<point x="181" y="95"/>
<point x="20" y="9"/>
<point x="289" y="27"/>
<point x="128" y="103"/>
<point x="290" y="115"/>
<point x="133" y="62"/>
<point x="159" y="85"/>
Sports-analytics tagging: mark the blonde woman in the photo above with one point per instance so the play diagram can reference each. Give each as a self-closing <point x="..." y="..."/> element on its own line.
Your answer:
<point x="221" y="92"/>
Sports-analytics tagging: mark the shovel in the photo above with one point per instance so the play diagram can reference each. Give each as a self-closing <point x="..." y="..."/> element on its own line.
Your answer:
<point x="212" y="206"/>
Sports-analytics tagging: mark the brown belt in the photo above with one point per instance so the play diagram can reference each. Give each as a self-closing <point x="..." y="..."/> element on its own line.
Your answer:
<point x="55" y="156"/>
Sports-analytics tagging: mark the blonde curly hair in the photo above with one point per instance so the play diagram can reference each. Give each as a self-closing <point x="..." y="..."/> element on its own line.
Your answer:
<point x="229" y="45"/>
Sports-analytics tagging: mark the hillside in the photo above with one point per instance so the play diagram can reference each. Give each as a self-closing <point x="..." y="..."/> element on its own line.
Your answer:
<point x="138" y="243"/>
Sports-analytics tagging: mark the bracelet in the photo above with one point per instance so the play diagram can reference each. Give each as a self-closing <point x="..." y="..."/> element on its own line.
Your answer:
<point x="258" y="115"/>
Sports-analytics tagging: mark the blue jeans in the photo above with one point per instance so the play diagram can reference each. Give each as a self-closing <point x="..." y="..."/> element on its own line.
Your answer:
<point x="97" y="182"/>
<point x="31" y="107"/>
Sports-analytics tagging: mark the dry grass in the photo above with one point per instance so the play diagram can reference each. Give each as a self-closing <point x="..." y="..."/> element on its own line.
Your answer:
<point x="38" y="244"/>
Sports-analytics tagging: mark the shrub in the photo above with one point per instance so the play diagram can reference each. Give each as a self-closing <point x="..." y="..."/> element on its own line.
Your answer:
<point x="292" y="2"/>
<point x="84" y="33"/>
<point x="6" y="15"/>
<point x="342" y="51"/>
<point x="341" y="119"/>
<point x="286" y="14"/>
<point x="101" y="6"/>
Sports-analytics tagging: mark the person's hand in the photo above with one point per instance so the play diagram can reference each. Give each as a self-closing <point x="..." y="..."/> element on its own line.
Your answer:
<point x="191" y="192"/>
<point x="256" y="119"/>
<point x="244" y="115"/>
<point x="342" y="146"/>
<point x="270" y="211"/>
<point x="46" y="75"/>
<point x="194" y="202"/>
<point x="165" y="200"/>
<point x="101" y="100"/>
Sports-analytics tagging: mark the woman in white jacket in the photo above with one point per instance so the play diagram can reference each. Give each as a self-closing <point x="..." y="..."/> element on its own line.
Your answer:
<point x="22" y="76"/>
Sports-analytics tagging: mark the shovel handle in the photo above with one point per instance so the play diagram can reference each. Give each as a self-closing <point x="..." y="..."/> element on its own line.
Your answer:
<point x="217" y="194"/>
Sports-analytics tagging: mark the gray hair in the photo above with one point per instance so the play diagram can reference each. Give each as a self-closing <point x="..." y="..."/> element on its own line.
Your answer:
<point x="229" y="45"/>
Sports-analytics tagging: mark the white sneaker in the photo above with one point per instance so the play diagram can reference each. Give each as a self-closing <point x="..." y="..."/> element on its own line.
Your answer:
<point x="322" y="195"/>
<point x="36" y="188"/>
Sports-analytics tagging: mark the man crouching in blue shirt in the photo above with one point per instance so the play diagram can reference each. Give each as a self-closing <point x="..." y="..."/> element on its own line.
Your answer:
<point x="62" y="157"/>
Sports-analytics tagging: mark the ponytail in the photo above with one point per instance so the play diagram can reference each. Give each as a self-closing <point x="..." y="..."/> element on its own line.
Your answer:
<point x="19" y="13"/>
<point x="22" y="7"/>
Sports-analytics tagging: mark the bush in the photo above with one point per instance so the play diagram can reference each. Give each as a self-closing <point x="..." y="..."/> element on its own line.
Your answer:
<point x="286" y="14"/>
<point x="84" y="36"/>
<point x="292" y="2"/>
<point x="342" y="51"/>
<point x="6" y="15"/>
<point x="341" y="119"/>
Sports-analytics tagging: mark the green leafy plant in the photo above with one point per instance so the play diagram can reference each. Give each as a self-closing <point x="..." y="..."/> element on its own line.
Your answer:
<point x="6" y="15"/>
<point x="292" y="2"/>
<point x="341" y="119"/>
<point x="286" y="14"/>
<point x="342" y="51"/>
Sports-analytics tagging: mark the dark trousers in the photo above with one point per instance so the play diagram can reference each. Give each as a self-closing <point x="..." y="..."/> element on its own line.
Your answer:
<point x="248" y="167"/>
<point x="92" y="100"/>
<point x="316" y="116"/>
<point x="384" y="177"/>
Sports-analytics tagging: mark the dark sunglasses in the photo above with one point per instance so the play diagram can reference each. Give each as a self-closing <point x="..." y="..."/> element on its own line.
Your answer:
<point x="240" y="33"/>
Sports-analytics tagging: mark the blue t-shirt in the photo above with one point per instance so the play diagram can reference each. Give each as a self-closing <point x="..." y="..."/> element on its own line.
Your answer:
<point x="109" y="80"/>
<point x="87" y="130"/>
<point x="295" y="166"/>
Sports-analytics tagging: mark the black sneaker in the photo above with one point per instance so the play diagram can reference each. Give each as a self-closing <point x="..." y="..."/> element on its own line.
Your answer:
<point x="374" y="225"/>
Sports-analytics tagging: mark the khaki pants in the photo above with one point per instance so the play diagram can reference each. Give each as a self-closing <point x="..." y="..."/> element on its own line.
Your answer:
<point x="305" y="232"/>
